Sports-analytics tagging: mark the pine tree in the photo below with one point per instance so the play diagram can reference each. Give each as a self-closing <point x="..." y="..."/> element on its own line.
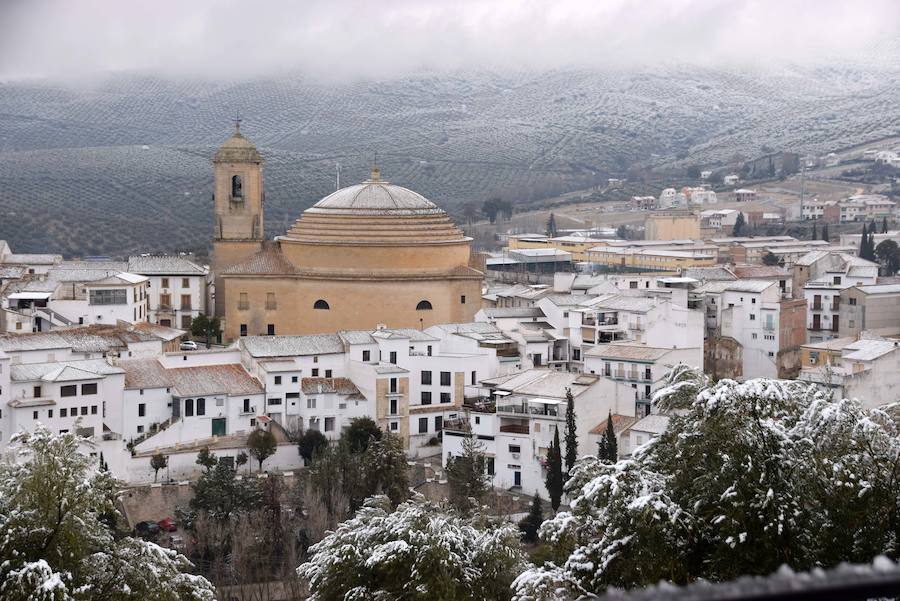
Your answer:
<point x="467" y="475"/>
<point x="825" y="236"/>
<point x="531" y="523"/>
<point x="571" y="434"/>
<point x="554" y="480"/>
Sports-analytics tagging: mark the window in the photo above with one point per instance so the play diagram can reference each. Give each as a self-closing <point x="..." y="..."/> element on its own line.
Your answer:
<point x="201" y="406"/>
<point x="367" y="356"/>
<point x="315" y="372"/>
<point x="34" y="414"/>
<point x="490" y="466"/>
<point x="394" y="426"/>
<point x="185" y="322"/>
<point x="311" y="403"/>
<point x="328" y="373"/>
<point x="185" y="302"/>
<point x="88" y="389"/>
<point x="753" y="301"/>
<point x="445" y="397"/>
<point x="165" y="283"/>
<point x="188" y="407"/>
<point x="237" y="188"/>
<point x="393" y="357"/>
<point x="428" y="350"/>
<point x="270" y="301"/>
<point x="142" y="409"/>
<point x="423" y="425"/>
<point x="270" y="329"/>
<point x="438" y="423"/>
<point x="246" y="407"/>
<point x="329" y="424"/>
<point x="165" y="301"/>
<point x="426" y="397"/>
<point x="753" y="335"/>
<point x="445" y="378"/>
<point x="474" y="378"/>
<point x="115" y="296"/>
<point x="393" y="386"/>
<point x="84" y="410"/>
<point x="243" y="329"/>
<point x="277" y="380"/>
<point x="70" y="390"/>
<point x="852" y="301"/>
<point x="752" y="317"/>
<point x="477" y="420"/>
<point x="63" y="412"/>
<point x="275" y="401"/>
<point x="185" y="283"/>
<point x="320" y="304"/>
<point x="771" y="354"/>
<point x="837" y="279"/>
<point x="462" y="299"/>
<point x="426" y="377"/>
<point x="514" y="448"/>
<point x="140" y="429"/>
<point x="243" y="301"/>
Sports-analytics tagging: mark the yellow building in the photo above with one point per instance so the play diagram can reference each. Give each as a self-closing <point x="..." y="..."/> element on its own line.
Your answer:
<point x="577" y="246"/>
<point x="369" y="254"/>
<point x="649" y="258"/>
<point x="672" y="225"/>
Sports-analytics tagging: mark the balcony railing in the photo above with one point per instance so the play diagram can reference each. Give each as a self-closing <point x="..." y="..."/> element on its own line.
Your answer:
<point x="514" y="428"/>
<point x="816" y="307"/>
<point x="457" y="425"/>
<point x="524" y="409"/>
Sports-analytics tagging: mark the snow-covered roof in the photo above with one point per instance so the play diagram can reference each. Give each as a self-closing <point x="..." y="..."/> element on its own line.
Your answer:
<point x="287" y="346"/>
<point x="654" y="424"/>
<point x="163" y="265"/>
<point x="26" y="372"/>
<point x="868" y="350"/>
<point x="627" y="351"/>
<point x="544" y="383"/>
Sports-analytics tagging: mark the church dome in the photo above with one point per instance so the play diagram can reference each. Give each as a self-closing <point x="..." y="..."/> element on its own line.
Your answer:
<point x="375" y="197"/>
<point x="237" y="149"/>
<point x="375" y="212"/>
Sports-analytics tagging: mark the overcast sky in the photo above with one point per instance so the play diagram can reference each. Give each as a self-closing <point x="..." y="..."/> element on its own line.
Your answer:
<point x="338" y="39"/>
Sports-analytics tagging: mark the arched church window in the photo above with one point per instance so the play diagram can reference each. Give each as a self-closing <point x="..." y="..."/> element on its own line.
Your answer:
<point x="237" y="187"/>
<point x="423" y="306"/>
<point x="320" y="304"/>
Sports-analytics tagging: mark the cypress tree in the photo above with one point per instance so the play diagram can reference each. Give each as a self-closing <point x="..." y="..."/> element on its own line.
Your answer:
<point x="884" y="225"/>
<point x="815" y="234"/>
<point x="825" y="233"/>
<point x="571" y="434"/>
<point x="863" y="243"/>
<point x="608" y="447"/>
<point x="554" y="480"/>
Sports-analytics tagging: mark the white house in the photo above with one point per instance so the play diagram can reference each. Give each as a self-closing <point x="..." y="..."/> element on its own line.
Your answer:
<point x="176" y="289"/>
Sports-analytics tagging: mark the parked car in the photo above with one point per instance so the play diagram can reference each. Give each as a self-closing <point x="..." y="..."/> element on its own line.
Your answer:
<point x="167" y="524"/>
<point x="146" y="529"/>
<point x="189" y="345"/>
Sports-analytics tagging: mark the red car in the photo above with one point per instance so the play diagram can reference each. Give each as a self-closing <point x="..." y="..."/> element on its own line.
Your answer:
<point x="167" y="525"/>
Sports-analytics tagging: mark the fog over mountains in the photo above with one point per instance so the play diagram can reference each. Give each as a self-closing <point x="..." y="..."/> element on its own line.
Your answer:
<point x="123" y="164"/>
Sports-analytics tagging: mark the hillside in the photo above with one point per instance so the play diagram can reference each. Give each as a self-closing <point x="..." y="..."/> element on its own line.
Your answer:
<point x="124" y="166"/>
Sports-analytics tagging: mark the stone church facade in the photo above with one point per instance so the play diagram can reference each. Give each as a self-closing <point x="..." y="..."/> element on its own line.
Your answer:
<point x="369" y="254"/>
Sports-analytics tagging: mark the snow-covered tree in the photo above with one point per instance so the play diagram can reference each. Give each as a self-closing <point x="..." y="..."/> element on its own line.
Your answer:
<point x="418" y="552"/>
<point x="59" y="542"/>
<point x="467" y="475"/>
<point x="747" y="477"/>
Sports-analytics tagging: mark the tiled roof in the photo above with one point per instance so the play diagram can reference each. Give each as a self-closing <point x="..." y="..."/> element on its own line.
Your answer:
<point x="544" y="383"/>
<point x="87" y="339"/>
<point x="620" y="423"/>
<point x="268" y="261"/>
<point x="505" y="312"/>
<point x="288" y="346"/>
<point x="163" y="265"/>
<point x="144" y="373"/>
<point x="231" y="379"/>
<point x="342" y="386"/>
<point x="760" y="271"/>
<point x="653" y="424"/>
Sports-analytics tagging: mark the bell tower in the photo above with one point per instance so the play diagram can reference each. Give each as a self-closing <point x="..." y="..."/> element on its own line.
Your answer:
<point x="238" y="228"/>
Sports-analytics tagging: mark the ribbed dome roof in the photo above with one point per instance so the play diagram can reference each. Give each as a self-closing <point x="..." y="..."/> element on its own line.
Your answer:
<point x="375" y="197"/>
<point x="376" y="212"/>
<point x="237" y="149"/>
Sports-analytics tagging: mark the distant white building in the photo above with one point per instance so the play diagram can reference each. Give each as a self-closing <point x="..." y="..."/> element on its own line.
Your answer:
<point x="731" y="180"/>
<point x="176" y="290"/>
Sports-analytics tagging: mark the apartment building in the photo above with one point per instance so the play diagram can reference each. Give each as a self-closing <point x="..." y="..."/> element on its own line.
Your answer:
<point x="176" y="289"/>
<point x="867" y="369"/>
<point x="873" y="308"/>
<point x="835" y="272"/>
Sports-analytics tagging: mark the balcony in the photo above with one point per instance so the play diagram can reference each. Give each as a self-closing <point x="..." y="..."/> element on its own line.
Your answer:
<point x="457" y="425"/>
<point x="514" y="428"/>
<point x="816" y="307"/>
<point x="537" y="410"/>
